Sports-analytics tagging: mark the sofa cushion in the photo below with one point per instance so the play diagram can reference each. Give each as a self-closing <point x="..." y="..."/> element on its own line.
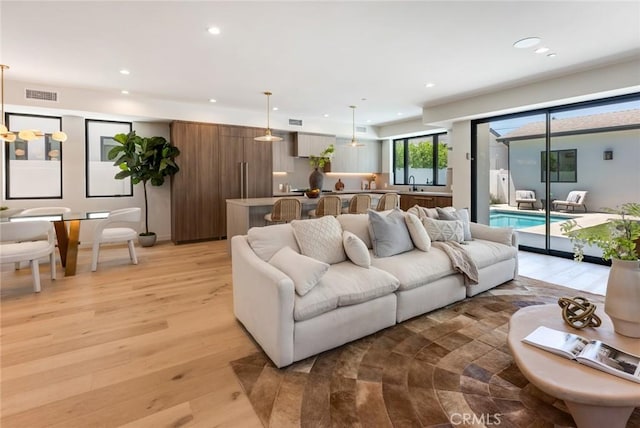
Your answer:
<point x="389" y="233"/>
<point x="344" y="284"/>
<point x="486" y="253"/>
<point x="462" y="215"/>
<point x="356" y="250"/>
<point x="304" y="271"/>
<point x="418" y="233"/>
<point x="266" y="241"/>
<point x="415" y="268"/>
<point x="320" y="238"/>
<point x="503" y="235"/>
<point x="358" y="224"/>
<point x="444" y="230"/>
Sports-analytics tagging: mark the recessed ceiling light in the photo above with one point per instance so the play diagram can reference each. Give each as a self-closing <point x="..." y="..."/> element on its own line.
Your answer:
<point x="125" y="72"/>
<point x="368" y="120"/>
<point x="399" y="113"/>
<point x="527" y="42"/>
<point x="551" y="55"/>
<point x="124" y="92"/>
<point x="326" y="115"/>
<point x="275" y="109"/>
<point x="211" y="100"/>
<point x="430" y="85"/>
<point x="213" y="30"/>
<point x="541" y="50"/>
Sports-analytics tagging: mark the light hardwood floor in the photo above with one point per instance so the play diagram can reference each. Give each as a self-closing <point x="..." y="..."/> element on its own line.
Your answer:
<point x="135" y="346"/>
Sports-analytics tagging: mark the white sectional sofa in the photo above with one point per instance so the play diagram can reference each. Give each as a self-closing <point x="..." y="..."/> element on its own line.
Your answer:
<point x="348" y="301"/>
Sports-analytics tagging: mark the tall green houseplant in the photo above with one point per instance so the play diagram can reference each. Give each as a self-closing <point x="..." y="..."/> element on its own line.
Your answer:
<point x="144" y="159"/>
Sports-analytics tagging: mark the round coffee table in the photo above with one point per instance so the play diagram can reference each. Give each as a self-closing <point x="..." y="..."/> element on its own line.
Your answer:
<point x="594" y="398"/>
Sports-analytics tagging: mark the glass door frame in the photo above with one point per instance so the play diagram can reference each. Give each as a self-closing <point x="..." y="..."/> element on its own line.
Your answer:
<point x="547" y="112"/>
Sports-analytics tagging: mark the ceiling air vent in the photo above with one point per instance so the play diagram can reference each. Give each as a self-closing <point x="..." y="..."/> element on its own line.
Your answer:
<point x="296" y="122"/>
<point x="35" y="94"/>
<point x="361" y="129"/>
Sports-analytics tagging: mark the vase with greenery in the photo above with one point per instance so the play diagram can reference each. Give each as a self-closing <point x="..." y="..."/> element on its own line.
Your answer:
<point x="322" y="161"/>
<point x="144" y="159"/>
<point x="618" y="240"/>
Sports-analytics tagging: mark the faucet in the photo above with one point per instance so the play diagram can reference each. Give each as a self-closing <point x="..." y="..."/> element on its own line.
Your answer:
<point x="413" y="188"/>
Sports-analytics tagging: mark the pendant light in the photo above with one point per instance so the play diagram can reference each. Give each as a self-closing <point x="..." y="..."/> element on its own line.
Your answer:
<point x="268" y="137"/>
<point x="354" y="142"/>
<point x="25" y="134"/>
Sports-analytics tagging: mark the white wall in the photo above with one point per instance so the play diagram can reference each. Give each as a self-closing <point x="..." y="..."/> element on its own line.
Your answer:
<point x="73" y="184"/>
<point x="460" y="162"/>
<point x="609" y="182"/>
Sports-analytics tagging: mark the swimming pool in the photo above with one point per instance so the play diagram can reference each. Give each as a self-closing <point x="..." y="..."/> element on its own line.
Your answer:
<point x="520" y="220"/>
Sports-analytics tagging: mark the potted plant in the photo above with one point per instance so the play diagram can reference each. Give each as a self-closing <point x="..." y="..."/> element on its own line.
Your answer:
<point x="144" y="159"/>
<point x="618" y="239"/>
<point x="323" y="160"/>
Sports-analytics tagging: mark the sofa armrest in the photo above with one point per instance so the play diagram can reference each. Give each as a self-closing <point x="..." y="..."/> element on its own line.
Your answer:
<point x="502" y="235"/>
<point x="263" y="300"/>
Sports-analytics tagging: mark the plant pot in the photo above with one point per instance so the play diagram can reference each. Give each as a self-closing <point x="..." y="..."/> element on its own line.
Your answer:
<point x="147" y="240"/>
<point x="316" y="178"/>
<point x="623" y="297"/>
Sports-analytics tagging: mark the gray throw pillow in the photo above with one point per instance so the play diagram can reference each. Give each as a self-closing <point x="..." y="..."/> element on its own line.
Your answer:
<point x="444" y="230"/>
<point x="462" y="215"/>
<point x="389" y="234"/>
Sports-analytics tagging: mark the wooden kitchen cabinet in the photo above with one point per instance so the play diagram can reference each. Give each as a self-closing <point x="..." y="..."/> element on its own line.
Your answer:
<point x="428" y="201"/>
<point x="217" y="162"/>
<point x="283" y="160"/>
<point x="306" y="145"/>
<point x="195" y="189"/>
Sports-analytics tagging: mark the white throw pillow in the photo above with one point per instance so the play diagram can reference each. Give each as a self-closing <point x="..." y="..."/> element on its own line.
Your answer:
<point x="266" y="241"/>
<point x="418" y="233"/>
<point x="320" y="238"/>
<point x="462" y="215"/>
<point x="356" y="250"/>
<point x="444" y="230"/>
<point x="358" y="224"/>
<point x="389" y="233"/>
<point x="304" y="271"/>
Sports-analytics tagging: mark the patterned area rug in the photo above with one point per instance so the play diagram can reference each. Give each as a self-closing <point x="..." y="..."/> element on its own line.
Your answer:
<point x="451" y="367"/>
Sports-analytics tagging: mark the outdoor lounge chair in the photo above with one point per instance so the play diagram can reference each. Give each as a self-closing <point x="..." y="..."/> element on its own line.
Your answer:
<point x="575" y="198"/>
<point x="526" y="197"/>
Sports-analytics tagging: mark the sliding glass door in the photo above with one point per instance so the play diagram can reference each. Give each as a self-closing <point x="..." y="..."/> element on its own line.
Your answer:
<point x="538" y="169"/>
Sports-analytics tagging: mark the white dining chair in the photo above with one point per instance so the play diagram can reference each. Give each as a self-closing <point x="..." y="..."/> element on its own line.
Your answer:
<point x="105" y="234"/>
<point x="44" y="211"/>
<point x="21" y="241"/>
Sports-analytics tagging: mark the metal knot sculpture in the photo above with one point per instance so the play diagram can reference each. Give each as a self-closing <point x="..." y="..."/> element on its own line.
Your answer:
<point x="579" y="312"/>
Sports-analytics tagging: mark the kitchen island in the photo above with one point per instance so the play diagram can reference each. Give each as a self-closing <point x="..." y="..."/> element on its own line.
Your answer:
<point x="243" y="214"/>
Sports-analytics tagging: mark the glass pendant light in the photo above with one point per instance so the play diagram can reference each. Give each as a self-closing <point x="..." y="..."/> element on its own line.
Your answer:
<point x="268" y="137"/>
<point x="354" y="142"/>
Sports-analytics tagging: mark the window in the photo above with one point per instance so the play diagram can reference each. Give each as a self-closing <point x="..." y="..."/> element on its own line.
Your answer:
<point x="562" y="165"/>
<point x="424" y="158"/>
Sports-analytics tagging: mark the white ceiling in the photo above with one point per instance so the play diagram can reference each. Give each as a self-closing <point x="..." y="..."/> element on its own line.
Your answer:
<point x="317" y="58"/>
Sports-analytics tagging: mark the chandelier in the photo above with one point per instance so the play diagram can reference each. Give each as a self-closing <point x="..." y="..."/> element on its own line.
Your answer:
<point x="268" y="136"/>
<point x="25" y="134"/>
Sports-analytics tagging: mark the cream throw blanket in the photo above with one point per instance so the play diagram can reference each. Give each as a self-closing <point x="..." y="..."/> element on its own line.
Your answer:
<point x="460" y="260"/>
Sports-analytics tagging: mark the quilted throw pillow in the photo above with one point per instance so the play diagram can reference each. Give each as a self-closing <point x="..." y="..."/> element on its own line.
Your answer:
<point x="389" y="234"/>
<point x="444" y="230"/>
<point x="462" y="215"/>
<point x="320" y="239"/>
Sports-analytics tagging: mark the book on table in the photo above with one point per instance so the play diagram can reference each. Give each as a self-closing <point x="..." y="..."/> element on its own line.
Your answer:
<point x="592" y="353"/>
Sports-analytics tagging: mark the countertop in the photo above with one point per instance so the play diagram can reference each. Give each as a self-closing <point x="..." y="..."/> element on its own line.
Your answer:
<point x="377" y="191"/>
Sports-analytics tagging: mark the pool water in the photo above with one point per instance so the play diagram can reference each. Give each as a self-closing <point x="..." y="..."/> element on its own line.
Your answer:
<point x="519" y="220"/>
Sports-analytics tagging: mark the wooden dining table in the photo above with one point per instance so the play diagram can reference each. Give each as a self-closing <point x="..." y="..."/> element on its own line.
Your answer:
<point x="67" y="227"/>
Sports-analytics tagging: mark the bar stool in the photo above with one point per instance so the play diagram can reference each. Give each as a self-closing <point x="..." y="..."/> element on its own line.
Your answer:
<point x="359" y="204"/>
<point x="284" y="210"/>
<point x="388" y="201"/>
<point x="327" y="205"/>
